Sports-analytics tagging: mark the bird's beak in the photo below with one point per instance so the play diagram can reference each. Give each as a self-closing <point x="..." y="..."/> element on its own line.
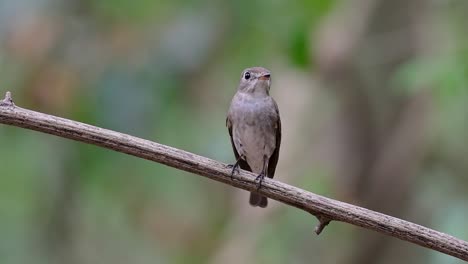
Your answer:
<point x="265" y="77"/>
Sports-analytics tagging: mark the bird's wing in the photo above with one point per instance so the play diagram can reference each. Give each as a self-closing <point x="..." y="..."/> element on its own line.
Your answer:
<point x="274" y="157"/>
<point x="242" y="163"/>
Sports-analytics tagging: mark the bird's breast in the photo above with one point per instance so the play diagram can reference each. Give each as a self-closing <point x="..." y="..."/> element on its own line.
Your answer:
<point x="253" y="110"/>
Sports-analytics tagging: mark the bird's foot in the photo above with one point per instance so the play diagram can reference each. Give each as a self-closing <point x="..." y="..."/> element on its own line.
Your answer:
<point x="259" y="180"/>
<point x="235" y="169"/>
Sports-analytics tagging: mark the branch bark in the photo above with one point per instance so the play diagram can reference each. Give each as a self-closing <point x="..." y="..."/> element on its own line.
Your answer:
<point x="325" y="209"/>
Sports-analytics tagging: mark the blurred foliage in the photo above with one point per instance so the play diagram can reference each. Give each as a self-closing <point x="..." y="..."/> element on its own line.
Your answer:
<point x="165" y="71"/>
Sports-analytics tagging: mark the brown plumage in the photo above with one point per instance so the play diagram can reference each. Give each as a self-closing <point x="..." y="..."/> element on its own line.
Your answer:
<point x="254" y="126"/>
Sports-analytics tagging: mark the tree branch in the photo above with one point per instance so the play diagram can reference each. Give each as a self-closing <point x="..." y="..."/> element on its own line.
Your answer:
<point x="323" y="208"/>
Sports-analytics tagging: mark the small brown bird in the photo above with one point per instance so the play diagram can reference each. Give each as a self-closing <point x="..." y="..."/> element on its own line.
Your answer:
<point x="254" y="125"/>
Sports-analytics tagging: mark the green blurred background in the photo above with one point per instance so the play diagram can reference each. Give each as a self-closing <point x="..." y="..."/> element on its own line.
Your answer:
<point x="372" y="95"/>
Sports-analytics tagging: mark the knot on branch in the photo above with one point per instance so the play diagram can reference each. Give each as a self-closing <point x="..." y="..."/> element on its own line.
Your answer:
<point x="7" y="101"/>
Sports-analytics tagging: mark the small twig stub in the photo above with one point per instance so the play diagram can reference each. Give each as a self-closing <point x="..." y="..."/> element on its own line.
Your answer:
<point x="323" y="222"/>
<point x="7" y="101"/>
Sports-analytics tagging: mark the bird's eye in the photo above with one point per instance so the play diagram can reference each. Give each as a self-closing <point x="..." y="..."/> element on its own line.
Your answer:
<point x="247" y="75"/>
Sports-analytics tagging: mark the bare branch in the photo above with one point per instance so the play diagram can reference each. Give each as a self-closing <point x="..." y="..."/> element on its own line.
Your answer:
<point x="323" y="208"/>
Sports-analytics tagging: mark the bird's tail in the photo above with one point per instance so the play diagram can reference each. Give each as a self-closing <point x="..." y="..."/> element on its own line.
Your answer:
<point x="258" y="200"/>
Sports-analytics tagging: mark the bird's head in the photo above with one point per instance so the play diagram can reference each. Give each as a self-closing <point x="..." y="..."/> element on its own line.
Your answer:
<point x="255" y="80"/>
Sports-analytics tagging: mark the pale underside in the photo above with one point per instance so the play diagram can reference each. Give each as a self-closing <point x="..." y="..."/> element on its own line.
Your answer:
<point x="254" y="129"/>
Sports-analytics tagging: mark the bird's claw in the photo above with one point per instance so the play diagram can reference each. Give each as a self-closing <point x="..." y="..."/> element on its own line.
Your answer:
<point x="259" y="180"/>
<point x="235" y="169"/>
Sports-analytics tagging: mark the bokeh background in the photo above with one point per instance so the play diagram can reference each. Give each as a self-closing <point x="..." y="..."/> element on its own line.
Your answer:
<point x="372" y="94"/>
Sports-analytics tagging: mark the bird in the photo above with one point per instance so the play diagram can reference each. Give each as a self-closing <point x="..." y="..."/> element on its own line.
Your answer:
<point x="254" y="126"/>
